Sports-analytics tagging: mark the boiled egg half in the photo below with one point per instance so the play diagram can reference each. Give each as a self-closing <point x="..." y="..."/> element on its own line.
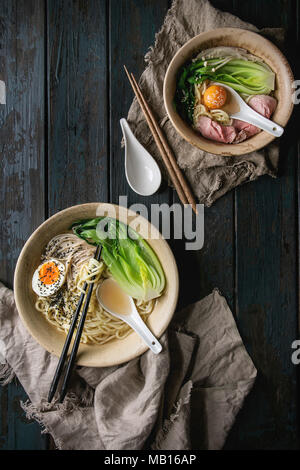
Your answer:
<point x="48" y="278"/>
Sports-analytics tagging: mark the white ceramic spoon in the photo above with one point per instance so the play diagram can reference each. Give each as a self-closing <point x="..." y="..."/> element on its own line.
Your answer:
<point x="236" y="107"/>
<point x="115" y="301"/>
<point x="142" y="172"/>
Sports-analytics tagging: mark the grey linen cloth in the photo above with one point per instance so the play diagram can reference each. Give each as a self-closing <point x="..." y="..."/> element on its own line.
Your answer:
<point x="185" y="397"/>
<point x="210" y="176"/>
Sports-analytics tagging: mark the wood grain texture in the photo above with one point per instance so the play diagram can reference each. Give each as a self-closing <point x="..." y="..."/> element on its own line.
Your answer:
<point x="22" y="171"/>
<point x="77" y="105"/>
<point x="214" y="265"/>
<point x="251" y="245"/>
<point x="266" y="282"/>
<point x="132" y="31"/>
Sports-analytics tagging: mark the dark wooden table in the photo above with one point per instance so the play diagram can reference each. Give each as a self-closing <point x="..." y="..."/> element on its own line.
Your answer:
<point x="62" y="63"/>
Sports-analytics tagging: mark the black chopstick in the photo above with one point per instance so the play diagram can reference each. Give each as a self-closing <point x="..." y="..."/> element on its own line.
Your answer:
<point x="65" y="350"/>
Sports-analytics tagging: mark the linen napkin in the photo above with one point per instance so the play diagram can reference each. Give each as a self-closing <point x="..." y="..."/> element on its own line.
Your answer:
<point x="186" y="397"/>
<point x="210" y="176"/>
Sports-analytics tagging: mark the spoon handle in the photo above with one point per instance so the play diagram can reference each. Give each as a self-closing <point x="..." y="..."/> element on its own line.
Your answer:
<point x="143" y="331"/>
<point x="252" y="117"/>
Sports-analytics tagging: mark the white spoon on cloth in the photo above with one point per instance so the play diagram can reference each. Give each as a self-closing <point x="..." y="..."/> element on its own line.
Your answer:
<point x="115" y="301"/>
<point x="142" y="172"/>
<point x="236" y="108"/>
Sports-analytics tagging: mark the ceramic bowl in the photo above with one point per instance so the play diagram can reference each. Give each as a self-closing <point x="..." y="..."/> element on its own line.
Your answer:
<point x="253" y="43"/>
<point x="115" y="351"/>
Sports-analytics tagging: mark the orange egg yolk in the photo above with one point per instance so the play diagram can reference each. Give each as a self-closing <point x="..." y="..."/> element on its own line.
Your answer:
<point x="214" y="97"/>
<point x="49" y="273"/>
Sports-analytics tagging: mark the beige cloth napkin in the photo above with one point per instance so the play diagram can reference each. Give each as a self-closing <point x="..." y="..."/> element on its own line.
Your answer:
<point x="210" y="176"/>
<point x="185" y="397"/>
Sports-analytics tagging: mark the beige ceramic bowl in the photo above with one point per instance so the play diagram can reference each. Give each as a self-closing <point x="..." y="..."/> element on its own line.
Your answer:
<point x="115" y="351"/>
<point x="255" y="44"/>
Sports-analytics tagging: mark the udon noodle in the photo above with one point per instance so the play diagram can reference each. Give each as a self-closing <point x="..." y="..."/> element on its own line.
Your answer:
<point x="77" y="255"/>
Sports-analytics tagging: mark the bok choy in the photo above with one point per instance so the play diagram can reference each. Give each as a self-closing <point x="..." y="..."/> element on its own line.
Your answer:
<point x="129" y="258"/>
<point x="247" y="77"/>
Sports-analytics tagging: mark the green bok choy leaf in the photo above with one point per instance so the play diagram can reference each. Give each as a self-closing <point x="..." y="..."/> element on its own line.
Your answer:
<point x="129" y="258"/>
<point x="245" y="76"/>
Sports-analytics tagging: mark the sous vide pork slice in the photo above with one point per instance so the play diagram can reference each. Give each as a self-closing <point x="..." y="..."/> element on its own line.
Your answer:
<point x="214" y="131"/>
<point x="239" y="130"/>
<point x="264" y="105"/>
<point x="244" y="130"/>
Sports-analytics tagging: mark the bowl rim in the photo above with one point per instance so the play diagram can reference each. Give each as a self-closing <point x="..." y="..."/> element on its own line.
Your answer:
<point x="210" y="146"/>
<point x="18" y="282"/>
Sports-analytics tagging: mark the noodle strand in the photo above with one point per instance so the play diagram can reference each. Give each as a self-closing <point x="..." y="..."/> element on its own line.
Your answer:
<point x="77" y="255"/>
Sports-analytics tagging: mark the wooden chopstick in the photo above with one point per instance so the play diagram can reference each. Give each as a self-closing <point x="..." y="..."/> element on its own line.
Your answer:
<point x="64" y="353"/>
<point x="177" y="178"/>
<point x="172" y="174"/>
<point x="65" y="350"/>
<point x="168" y="150"/>
<point x="167" y="163"/>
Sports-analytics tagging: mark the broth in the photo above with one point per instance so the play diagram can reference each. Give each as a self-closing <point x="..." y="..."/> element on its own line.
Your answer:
<point x="231" y="106"/>
<point x="114" y="298"/>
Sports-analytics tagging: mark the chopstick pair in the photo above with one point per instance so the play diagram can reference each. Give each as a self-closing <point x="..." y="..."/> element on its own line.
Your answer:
<point x="184" y="193"/>
<point x="65" y="350"/>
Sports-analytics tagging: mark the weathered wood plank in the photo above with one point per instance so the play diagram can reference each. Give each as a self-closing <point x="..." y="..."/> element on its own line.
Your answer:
<point x="297" y="72"/>
<point x="133" y="26"/>
<point x="132" y="31"/>
<point x="22" y="172"/>
<point x="267" y="285"/>
<point x="266" y="211"/>
<point x="267" y="309"/>
<point x="212" y="266"/>
<point x="77" y="73"/>
<point x="77" y="104"/>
